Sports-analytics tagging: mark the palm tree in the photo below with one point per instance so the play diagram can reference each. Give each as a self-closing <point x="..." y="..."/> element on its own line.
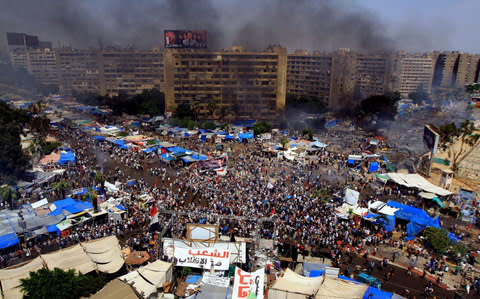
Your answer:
<point x="8" y="194"/>
<point x="60" y="188"/>
<point x="211" y="106"/>
<point x="195" y="106"/>
<point x="100" y="179"/>
<point x="93" y="199"/>
<point x="284" y="142"/>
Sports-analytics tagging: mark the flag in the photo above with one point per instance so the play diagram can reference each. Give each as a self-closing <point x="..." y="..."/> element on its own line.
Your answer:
<point x="272" y="212"/>
<point x="153" y="215"/>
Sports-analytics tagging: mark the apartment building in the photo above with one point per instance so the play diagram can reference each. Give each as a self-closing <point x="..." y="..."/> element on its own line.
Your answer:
<point x="78" y="70"/>
<point x="414" y="71"/>
<point x="309" y="74"/>
<point x="247" y="84"/>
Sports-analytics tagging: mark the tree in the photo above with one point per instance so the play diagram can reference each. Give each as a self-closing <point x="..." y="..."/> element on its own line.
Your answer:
<point x="60" y="188"/>
<point x="209" y="125"/>
<point x="195" y="108"/>
<point x="8" y="194"/>
<point x="261" y="127"/>
<point x="93" y="199"/>
<point x="419" y="95"/>
<point x="100" y="179"/>
<point x="438" y="239"/>
<point x="211" y="106"/>
<point x="380" y="105"/>
<point x="308" y="132"/>
<point x="284" y="141"/>
<point x="183" y="111"/>
<point x="58" y="283"/>
<point x="458" y="141"/>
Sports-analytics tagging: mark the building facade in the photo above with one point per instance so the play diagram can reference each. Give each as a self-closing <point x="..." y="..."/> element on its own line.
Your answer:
<point x="415" y="71"/>
<point x="78" y="70"/>
<point x="309" y="74"/>
<point x="245" y="84"/>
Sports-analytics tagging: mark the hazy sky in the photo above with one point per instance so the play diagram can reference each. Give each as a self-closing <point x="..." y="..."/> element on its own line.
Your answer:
<point x="451" y="24"/>
<point x="412" y="25"/>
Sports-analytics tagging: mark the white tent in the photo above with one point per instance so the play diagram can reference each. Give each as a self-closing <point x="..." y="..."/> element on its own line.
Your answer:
<point x="146" y="280"/>
<point x="70" y="258"/>
<point x="294" y="286"/>
<point x="10" y="278"/>
<point x="413" y="180"/>
<point x="105" y="253"/>
<point x="333" y="287"/>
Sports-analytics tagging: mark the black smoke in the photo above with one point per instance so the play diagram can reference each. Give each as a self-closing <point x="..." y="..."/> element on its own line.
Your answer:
<point x="254" y="24"/>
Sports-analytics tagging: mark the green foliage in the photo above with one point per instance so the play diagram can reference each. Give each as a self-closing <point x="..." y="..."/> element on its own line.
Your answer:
<point x="8" y="194"/>
<point x="209" y="125"/>
<point x="284" y="141"/>
<point x="308" y="132"/>
<point x="60" y="188"/>
<point x="40" y="124"/>
<point x="150" y="101"/>
<point x="380" y="105"/>
<point x="45" y="283"/>
<point x="419" y="95"/>
<point x="224" y="127"/>
<point x="151" y="142"/>
<point x="190" y="124"/>
<point x="308" y="104"/>
<point x="211" y="106"/>
<point x="438" y="239"/>
<point x="261" y="127"/>
<point x="472" y="88"/>
<point x="48" y="147"/>
<point x="12" y="159"/>
<point x="183" y="111"/>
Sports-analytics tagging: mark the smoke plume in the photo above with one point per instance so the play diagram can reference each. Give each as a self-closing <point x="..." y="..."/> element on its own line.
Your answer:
<point x="308" y="24"/>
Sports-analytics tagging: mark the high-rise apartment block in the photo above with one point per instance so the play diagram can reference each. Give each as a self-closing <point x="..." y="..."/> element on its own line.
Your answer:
<point x="249" y="84"/>
<point x="252" y="84"/>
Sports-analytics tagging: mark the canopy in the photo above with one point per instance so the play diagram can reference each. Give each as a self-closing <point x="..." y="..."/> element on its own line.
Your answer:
<point x="147" y="279"/>
<point x="105" y="253"/>
<point x="115" y="289"/>
<point x="66" y="156"/>
<point x="71" y="258"/>
<point x="374" y="293"/>
<point x="245" y="135"/>
<point x="293" y="283"/>
<point x="413" y="180"/>
<point x="10" y="278"/>
<point x="8" y="240"/>
<point x="333" y="287"/>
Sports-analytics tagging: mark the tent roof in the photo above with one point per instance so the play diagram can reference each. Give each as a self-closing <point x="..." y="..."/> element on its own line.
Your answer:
<point x="70" y="258"/>
<point x="295" y="283"/>
<point x="10" y="278"/>
<point x="413" y="180"/>
<point x="338" y="288"/>
<point x="106" y="253"/>
<point x="115" y="289"/>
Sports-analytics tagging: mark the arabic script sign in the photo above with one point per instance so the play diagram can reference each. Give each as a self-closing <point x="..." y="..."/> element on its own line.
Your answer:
<point x="203" y="258"/>
<point x="248" y="284"/>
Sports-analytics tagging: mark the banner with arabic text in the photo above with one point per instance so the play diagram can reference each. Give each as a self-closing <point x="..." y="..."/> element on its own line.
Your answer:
<point x="248" y="285"/>
<point x="202" y="258"/>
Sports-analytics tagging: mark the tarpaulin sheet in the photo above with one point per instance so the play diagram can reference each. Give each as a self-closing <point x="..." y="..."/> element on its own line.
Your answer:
<point x="245" y="135"/>
<point x="176" y="149"/>
<point x="99" y="138"/>
<point x="418" y="218"/>
<point x="66" y="157"/>
<point x="308" y="267"/>
<point x="8" y="240"/>
<point x="374" y="293"/>
<point x="373" y="167"/>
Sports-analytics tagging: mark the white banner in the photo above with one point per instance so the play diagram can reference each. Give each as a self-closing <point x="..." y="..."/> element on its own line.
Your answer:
<point x="215" y="280"/>
<point x="238" y="250"/>
<point x="248" y="285"/>
<point x="202" y="258"/>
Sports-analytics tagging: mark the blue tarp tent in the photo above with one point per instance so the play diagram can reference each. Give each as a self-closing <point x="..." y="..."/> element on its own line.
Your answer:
<point x="60" y="204"/>
<point x="148" y="150"/>
<point x="66" y="156"/>
<point x="373" y="167"/>
<point x="120" y="143"/>
<point x="454" y="239"/>
<point x="245" y="135"/>
<point x="176" y="149"/>
<point x="8" y="240"/>
<point x="228" y="137"/>
<point x="388" y="225"/>
<point x="374" y="293"/>
<point x="52" y="228"/>
<point x="99" y="138"/>
<point x="418" y="218"/>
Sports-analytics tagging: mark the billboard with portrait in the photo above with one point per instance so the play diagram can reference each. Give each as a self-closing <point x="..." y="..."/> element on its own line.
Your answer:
<point x="185" y="39"/>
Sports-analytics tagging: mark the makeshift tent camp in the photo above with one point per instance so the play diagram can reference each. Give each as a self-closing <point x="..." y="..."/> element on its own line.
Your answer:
<point x="245" y="135"/>
<point x="374" y="293"/>
<point x="309" y="267"/>
<point x="105" y="253"/>
<point x="413" y="180"/>
<point x="66" y="157"/>
<point x="115" y="289"/>
<point x="418" y="218"/>
<point x="147" y="279"/>
<point x="70" y="258"/>
<point x="294" y="286"/>
<point x="10" y="278"/>
<point x="333" y="287"/>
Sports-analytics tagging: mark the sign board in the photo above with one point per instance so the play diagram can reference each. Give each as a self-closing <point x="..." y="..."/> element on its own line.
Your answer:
<point x="202" y="258"/>
<point x="351" y="197"/>
<point x="431" y="139"/>
<point x="185" y="39"/>
<point x="202" y="232"/>
<point x="248" y="285"/>
<point x="238" y="250"/>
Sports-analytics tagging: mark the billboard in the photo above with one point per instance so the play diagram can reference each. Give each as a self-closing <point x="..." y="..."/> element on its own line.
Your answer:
<point x="430" y="139"/>
<point x="185" y="38"/>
